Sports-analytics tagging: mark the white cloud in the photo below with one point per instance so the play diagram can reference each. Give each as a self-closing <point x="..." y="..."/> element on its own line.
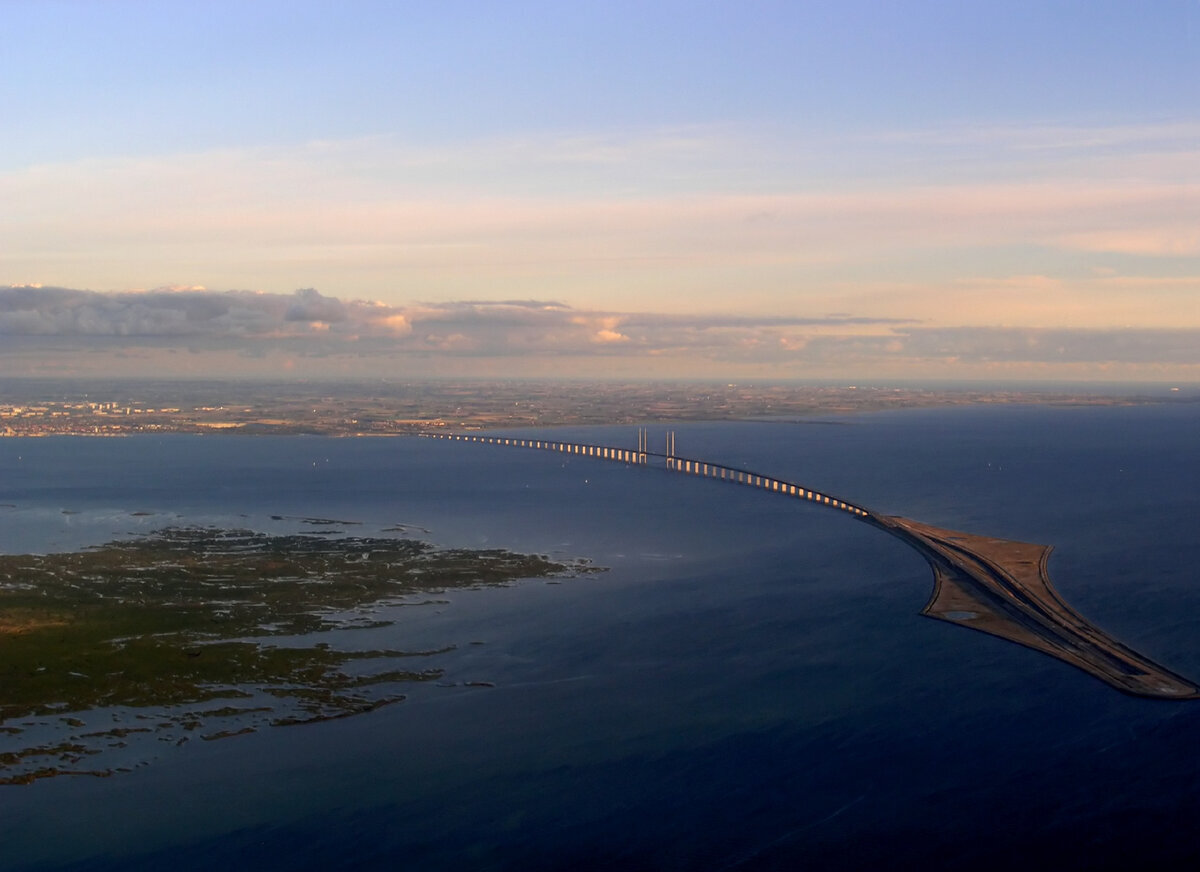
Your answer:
<point x="697" y="219"/>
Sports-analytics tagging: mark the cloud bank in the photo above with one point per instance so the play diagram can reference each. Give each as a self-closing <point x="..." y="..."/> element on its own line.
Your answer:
<point x="503" y="336"/>
<point x="306" y="318"/>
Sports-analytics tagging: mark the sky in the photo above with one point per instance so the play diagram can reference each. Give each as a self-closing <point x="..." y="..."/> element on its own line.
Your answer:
<point x="654" y="189"/>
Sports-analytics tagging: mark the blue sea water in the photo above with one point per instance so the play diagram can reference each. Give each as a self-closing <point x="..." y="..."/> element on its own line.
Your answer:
<point x="748" y="686"/>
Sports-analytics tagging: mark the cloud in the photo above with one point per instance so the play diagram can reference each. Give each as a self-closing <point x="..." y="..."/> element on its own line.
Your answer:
<point x="603" y="219"/>
<point x="165" y="313"/>
<point x="324" y="324"/>
<point x="1007" y="345"/>
<point x="1164" y="137"/>
<point x="1169" y="241"/>
<point x="311" y="307"/>
<point x="511" y="335"/>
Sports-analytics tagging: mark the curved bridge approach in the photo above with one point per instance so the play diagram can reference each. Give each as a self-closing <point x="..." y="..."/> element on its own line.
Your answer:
<point x="997" y="586"/>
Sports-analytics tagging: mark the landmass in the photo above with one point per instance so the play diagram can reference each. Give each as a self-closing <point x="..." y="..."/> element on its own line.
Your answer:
<point x="47" y="407"/>
<point x="201" y="632"/>
<point x="211" y="633"/>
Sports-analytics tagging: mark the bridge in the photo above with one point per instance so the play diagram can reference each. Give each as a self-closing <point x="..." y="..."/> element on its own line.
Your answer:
<point x="642" y="457"/>
<point x="996" y="586"/>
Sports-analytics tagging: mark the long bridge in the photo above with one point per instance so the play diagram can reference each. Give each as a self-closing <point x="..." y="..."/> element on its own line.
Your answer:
<point x="996" y="586"/>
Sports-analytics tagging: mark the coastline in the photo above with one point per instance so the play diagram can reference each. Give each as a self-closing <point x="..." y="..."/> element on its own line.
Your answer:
<point x="34" y="408"/>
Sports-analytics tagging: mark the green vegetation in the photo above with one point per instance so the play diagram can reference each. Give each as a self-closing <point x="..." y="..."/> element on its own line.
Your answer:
<point x="189" y="615"/>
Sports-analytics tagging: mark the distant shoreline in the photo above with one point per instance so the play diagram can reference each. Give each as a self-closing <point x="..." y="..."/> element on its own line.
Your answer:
<point x="61" y="407"/>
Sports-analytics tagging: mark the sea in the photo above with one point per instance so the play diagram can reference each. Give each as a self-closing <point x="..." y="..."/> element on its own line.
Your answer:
<point x="748" y="685"/>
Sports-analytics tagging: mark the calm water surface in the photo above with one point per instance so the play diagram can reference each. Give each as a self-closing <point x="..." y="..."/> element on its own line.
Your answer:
<point x="749" y="686"/>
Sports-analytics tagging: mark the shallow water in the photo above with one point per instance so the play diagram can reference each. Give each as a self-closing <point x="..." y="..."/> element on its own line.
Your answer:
<point x="748" y="686"/>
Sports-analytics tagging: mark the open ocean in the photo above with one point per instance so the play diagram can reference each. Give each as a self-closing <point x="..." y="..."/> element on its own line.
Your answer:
<point x="748" y="686"/>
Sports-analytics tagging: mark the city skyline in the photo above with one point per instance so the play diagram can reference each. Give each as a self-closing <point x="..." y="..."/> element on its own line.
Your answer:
<point x="767" y="190"/>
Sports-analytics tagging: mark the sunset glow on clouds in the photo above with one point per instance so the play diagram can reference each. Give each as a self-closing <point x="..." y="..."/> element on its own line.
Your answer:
<point x="760" y="224"/>
<point x="271" y="334"/>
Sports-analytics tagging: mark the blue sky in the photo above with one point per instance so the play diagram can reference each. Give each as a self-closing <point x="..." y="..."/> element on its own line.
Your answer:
<point x="751" y="189"/>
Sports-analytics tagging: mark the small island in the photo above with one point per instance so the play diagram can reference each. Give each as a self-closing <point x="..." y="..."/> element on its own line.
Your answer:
<point x="204" y="632"/>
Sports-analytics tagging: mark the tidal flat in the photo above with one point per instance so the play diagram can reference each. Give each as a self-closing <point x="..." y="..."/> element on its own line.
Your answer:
<point x="204" y="632"/>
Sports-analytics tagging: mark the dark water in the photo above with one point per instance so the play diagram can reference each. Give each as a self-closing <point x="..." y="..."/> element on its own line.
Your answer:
<point x="748" y="687"/>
